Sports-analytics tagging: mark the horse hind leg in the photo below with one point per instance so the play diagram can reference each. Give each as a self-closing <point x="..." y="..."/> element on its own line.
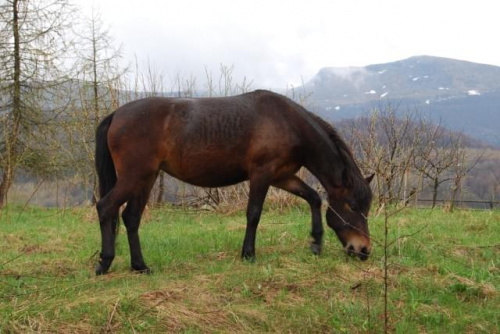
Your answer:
<point x="132" y="218"/>
<point x="135" y="194"/>
<point x="108" y="211"/>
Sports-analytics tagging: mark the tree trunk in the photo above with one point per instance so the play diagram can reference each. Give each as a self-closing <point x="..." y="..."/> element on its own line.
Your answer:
<point x="13" y="134"/>
<point x="435" y="192"/>
<point x="5" y="186"/>
<point x="161" y="188"/>
<point x="455" y="191"/>
<point x="2" y="193"/>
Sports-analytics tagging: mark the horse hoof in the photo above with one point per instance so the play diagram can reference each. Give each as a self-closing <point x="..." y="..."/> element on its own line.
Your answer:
<point x="99" y="270"/>
<point x="142" y="270"/>
<point x="248" y="257"/>
<point x="316" y="249"/>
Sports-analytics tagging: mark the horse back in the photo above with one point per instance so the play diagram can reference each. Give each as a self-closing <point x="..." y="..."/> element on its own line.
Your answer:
<point x="208" y="141"/>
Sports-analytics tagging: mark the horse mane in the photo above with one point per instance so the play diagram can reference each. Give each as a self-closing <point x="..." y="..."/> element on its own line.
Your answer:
<point x="344" y="150"/>
<point x="360" y="186"/>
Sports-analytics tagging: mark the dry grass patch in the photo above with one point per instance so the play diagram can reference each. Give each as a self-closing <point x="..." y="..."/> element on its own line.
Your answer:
<point x="465" y="287"/>
<point x="180" y="306"/>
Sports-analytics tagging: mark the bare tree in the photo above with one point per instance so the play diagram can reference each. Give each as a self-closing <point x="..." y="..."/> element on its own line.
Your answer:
<point x="484" y="179"/>
<point x="495" y="184"/>
<point x="383" y="144"/>
<point x="99" y="73"/>
<point x="227" y="86"/>
<point x="461" y="168"/>
<point x="98" y="65"/>
<point x="184" y="86"/>
<point x="33" y="44"/>
<point x="436" y="155"/>
<point x="300" y="95"/>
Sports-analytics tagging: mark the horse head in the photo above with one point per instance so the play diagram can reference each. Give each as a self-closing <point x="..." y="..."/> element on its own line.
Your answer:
<point x="347" y="215"/>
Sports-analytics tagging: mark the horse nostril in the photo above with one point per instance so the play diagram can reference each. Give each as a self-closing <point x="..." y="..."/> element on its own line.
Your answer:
<point x="350" y="250"/>
<point x="363" y="254"/>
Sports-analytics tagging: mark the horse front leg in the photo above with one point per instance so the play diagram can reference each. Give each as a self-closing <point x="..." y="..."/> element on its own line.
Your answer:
<point x="258" y="192"/>
<point x="299" y="188"/>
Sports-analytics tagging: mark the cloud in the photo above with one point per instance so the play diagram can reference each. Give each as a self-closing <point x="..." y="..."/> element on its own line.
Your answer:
<point x="275" y="43"/>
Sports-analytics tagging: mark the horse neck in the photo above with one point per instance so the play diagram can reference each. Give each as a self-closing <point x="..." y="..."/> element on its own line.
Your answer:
<point x="324" y="161"/>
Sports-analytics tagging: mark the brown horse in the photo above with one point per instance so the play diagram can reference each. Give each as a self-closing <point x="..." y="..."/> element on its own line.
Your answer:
<point x="261" y="136"/>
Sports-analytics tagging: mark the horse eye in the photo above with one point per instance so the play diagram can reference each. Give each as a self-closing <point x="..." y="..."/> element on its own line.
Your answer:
<point x="353" y="205"/>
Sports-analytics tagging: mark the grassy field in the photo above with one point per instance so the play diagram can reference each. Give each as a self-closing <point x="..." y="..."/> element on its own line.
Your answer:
<point x="444" y="278"/>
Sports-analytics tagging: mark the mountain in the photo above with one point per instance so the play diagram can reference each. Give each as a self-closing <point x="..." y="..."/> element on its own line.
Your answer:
<point x="462" y="95"/>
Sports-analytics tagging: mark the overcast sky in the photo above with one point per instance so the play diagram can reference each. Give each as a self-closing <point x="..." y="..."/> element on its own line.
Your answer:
<point x="280" y="43"/>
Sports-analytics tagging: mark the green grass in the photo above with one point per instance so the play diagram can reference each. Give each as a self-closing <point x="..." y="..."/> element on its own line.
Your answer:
<point x="443" y="279"/>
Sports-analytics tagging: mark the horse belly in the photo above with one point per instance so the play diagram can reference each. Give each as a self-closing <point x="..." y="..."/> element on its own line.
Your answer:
<point x="207" y="170"/>
<point x="214" y="180"/>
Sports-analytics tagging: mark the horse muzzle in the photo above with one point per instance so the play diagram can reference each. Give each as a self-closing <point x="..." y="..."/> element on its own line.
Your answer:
<point x="359" y="249"/>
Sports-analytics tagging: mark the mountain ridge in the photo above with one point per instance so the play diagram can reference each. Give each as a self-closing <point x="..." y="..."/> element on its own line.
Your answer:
<point x="465" y="96"/>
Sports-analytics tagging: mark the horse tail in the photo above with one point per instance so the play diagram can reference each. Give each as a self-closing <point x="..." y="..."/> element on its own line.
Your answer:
<point x="105" y="167"/>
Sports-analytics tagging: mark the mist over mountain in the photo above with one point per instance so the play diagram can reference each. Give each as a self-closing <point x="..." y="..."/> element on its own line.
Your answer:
<point x="461" y="95"/>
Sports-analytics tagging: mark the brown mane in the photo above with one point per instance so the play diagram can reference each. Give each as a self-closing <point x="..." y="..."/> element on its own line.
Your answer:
<point x="359" y="184"/>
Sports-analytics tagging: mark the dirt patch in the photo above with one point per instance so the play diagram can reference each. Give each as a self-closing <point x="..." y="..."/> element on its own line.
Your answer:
<point x="34" y="249"/>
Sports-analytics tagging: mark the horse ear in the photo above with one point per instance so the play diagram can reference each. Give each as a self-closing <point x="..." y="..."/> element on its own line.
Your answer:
<point x="369" y="178"/>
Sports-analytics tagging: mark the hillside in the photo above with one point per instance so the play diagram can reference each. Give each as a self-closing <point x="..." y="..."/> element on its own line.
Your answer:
<point x="463" y="95"/>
